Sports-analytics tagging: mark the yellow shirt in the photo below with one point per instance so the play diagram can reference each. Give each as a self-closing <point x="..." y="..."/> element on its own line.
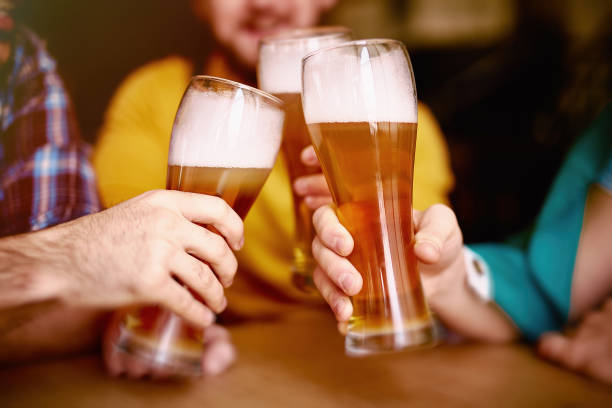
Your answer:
<point x="131" y="154"/>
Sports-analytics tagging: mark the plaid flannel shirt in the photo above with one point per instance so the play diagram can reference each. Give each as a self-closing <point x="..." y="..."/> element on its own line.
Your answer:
<point x="45" y="175"/>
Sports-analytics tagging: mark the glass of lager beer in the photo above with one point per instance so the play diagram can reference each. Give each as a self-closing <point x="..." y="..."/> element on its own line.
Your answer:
<point x="279" y="71"/>
<point x="360" y="105"/>
<point x="224" y="142"/>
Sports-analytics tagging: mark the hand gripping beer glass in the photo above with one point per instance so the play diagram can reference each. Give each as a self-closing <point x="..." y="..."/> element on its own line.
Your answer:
<point x="224" y="142"/>
<point x="360" y="105"/>
<point x="279" y="71"/>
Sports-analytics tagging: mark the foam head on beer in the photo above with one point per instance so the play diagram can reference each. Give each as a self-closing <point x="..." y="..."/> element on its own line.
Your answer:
<point x="280" y="57"/>
<point x="226" y="129"/>
<point x="359" y="84"/>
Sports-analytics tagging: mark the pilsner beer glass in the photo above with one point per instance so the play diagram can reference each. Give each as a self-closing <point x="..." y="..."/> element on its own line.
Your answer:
<point x="279" y="71"/>
<point x="360" y="105"/>
<point x="224" y="142"/>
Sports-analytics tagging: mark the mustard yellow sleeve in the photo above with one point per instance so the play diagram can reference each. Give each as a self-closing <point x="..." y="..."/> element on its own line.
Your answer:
<point x="433" y="177"/>
<point x="130" y="156"/>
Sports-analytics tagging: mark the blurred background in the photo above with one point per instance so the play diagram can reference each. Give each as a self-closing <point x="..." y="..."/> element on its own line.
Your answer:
<point x="512" y="82"/>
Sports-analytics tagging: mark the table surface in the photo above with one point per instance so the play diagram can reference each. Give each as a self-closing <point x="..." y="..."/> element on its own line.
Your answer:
<point x="298" y="361"/>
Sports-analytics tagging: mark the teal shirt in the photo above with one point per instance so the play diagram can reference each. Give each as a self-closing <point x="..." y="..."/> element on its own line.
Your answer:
<point x="532" y="283"/>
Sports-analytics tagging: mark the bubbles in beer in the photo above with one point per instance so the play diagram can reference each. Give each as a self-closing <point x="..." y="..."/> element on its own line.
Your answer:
<point x="227" y="129"/>
<point x="280" y="62"/>
<point x="365" y="84"/>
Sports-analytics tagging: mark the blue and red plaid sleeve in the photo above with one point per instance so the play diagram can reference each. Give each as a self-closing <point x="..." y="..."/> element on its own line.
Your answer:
<point x="45" y="174"/>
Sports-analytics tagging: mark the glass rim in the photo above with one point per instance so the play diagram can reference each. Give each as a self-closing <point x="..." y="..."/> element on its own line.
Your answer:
<point x="240" y="85"/>
<point x="292" y="36"/>
<point x="367" y="41"/>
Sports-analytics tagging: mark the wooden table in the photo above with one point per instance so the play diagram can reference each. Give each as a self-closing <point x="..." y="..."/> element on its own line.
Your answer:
<point x="298" y="361"/>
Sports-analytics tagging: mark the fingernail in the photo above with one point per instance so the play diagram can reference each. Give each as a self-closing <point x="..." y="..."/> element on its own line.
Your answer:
<point x="436" y="245"/>
<point x="240" y="244"/>
<point x="299" y="186"/>
<point x="224" y="302"/>
<point x="424" y="239"/>
<point x="210" y="318"/>
<point x="310" y="156"/>
<point x="429" y="248"/>
<point x="347" y="282"/>
<point x="339" y="245"/>
<point x="309" y="201"/>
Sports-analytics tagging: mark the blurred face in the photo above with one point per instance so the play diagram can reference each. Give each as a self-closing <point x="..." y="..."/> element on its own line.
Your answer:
<point x="239" y="24"/>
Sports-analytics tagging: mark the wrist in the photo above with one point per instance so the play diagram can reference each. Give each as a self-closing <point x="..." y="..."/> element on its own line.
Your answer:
<point x="451" y="290"/>
<point x="468" y="310"/>
<point x="50" y="263"/>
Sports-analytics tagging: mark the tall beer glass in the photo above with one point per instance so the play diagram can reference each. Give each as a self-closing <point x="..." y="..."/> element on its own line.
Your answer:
<point x="360" y="105"/>
<point x="279" y="71"/>
<point x="224" y="142"/>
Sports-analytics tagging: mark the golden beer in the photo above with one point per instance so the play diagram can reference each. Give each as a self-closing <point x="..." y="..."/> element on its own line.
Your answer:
<point x="369" y="167"/>
<point x="296" y="139"/>
<point x="238" y="187"/>
<point x="361" y="109"/>
<point x="278" y="72"/>
<point x="224" y="143"/>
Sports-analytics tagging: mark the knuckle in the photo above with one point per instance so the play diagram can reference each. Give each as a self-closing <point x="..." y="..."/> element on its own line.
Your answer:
<point x="221" y="208"/>
<point x="154" y="196"/>
<point x="218" y="248"/>
<point x="205" y="276"/>
<point x="232" y="267"/>
<point x="163" y="220"/>
<point x="336" y="268"/>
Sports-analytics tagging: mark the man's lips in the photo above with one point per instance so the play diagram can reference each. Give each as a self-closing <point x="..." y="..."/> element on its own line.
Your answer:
<point x="262" y="28"/>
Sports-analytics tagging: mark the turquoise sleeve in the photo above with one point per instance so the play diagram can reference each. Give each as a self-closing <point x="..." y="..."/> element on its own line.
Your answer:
<point x="516" y="291"/>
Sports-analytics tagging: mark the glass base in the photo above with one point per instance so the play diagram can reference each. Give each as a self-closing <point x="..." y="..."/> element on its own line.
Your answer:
<point x="365" y="343"/>
<point x="170" y="359"/>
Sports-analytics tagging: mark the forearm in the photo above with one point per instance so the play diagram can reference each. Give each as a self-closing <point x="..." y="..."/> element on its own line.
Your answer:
<point x="475" y="319"/>
<point x="35" y="321"/>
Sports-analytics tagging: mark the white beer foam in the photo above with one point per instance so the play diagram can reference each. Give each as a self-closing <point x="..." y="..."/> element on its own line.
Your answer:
<point x="279" y="68"/>
<point x="344" y="87"/>
<point x="225" y="130"/>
